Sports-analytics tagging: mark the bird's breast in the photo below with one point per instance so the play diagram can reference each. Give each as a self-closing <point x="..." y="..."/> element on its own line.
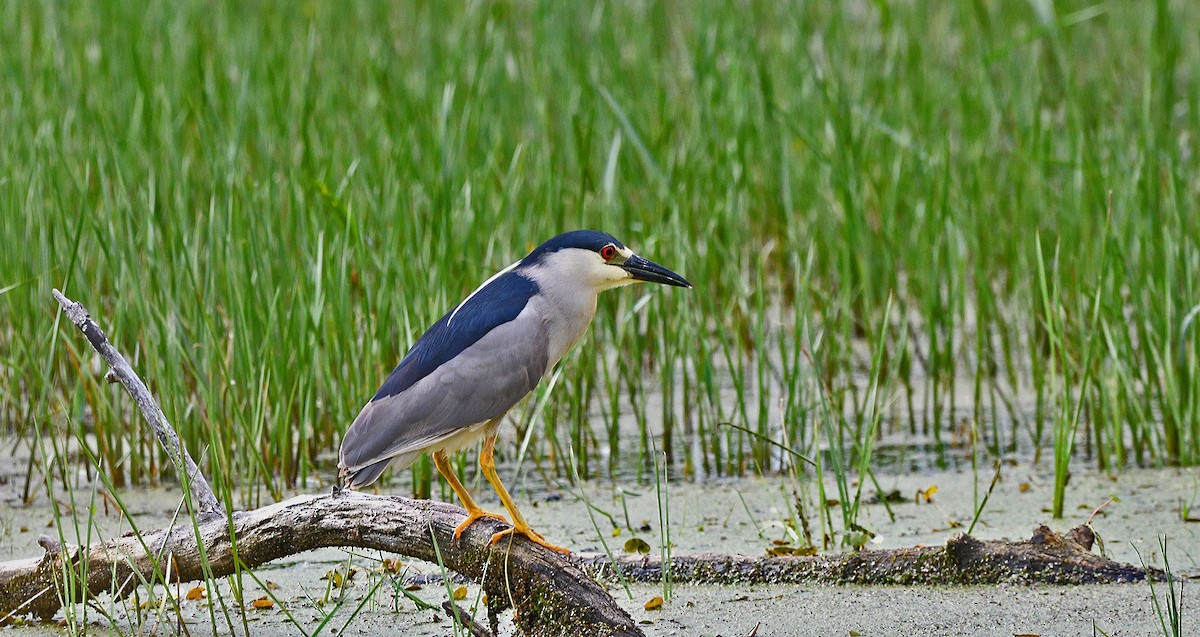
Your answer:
<point x="566" y="322"/>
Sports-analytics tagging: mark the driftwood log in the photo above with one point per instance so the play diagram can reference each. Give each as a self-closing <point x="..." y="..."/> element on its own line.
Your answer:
<point x="1045" y="558"/>
<point x="552" y="594"/>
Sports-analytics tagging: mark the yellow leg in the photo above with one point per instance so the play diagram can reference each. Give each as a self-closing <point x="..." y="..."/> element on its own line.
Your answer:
<point x="473" y="511"/>
<point x="488" y="464"/>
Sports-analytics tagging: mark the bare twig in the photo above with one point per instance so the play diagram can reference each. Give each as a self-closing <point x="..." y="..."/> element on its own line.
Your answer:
<point x="465" y="619"/>
<point x="202" y="493"/>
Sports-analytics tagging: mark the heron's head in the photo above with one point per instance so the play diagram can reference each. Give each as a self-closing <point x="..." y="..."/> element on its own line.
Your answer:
<point x="597" y="260"/>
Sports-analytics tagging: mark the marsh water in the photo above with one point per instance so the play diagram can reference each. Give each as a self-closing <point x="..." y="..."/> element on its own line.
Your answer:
<point x="923" y="490"/>
<point x="1137" y="509"/>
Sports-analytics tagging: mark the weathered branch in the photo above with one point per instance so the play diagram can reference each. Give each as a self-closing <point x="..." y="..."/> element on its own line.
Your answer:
<point x="206" y="501"/>
<point x="1045" y="558"/>
<point x="552" y="595"/>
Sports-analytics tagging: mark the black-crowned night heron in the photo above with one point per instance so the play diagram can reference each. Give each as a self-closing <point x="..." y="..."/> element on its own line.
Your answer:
<point x="458" y="380"/>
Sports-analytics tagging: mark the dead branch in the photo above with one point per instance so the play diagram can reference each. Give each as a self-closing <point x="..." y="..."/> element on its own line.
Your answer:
<point x="1045" y="558"/>
<point x="207" y="504"/>
<point x="552" y="595"/>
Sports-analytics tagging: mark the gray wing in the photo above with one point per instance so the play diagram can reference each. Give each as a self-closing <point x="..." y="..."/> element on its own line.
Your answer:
<point x="481" y="383"/>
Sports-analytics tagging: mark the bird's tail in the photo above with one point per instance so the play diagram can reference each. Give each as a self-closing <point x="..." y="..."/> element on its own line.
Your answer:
<point x="363" y="476"/>
<point x="359" y="477"/>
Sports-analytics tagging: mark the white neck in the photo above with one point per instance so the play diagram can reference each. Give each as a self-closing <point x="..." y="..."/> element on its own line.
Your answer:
<point x="569" y="281"/>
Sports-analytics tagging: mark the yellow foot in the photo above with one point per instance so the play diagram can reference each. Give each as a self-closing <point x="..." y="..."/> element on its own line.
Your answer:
<point x="475" y="515"/>
<point x="533" y="536"/>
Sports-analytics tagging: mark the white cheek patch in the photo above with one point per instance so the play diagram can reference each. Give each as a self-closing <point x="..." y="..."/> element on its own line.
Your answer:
<point x="616" y="276"/>
<point x="579" y="269"/>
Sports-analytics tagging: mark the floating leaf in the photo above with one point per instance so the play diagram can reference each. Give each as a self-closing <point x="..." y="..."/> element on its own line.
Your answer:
<point x="637" y="545"/>
<point x="337" y="579"/>
<point x="655" y="603"/>
<point x="262" y="603"/>
<point x="460" y="593"/>
<point x="857" y="539"/>
<point x="616" y="531"/>
<point x="1024" y="487"/>
<point x="195" y="593"/>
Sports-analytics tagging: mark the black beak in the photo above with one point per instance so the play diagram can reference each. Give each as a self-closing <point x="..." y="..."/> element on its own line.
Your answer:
<point x="646" y="270"/>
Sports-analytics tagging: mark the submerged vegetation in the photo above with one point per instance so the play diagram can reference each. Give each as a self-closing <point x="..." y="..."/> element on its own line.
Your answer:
<point x="967" y="224"/>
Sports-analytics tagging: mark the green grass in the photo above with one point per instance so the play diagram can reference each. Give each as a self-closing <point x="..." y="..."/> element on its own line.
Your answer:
<point x="1168" y="607"/>
<point x="265" y="203"/>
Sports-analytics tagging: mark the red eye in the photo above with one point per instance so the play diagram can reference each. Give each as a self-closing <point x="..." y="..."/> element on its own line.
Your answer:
<point x="608" y="252"/>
